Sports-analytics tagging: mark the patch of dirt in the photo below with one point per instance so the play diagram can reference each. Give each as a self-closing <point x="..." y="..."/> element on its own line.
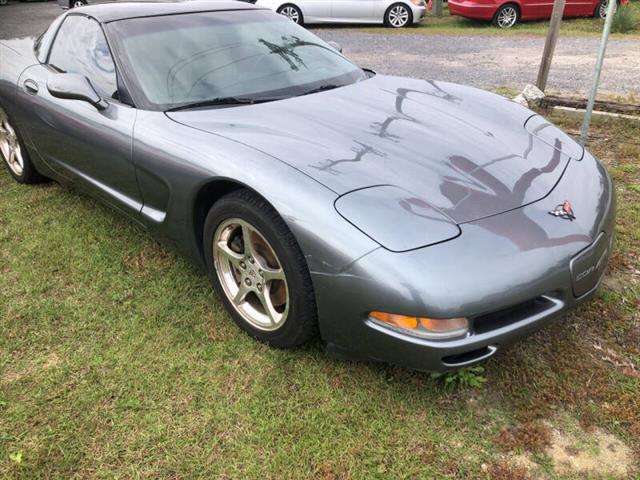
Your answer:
<point x="595" y="453"/>
<point x="572" y="450"/>
<point x="51" y="361"/>
<point x="523" y="461"/>
<point x="619" y="281"/>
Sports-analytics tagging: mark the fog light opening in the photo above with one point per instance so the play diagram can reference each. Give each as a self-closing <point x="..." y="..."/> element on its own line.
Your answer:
<point x="424" y="327"/>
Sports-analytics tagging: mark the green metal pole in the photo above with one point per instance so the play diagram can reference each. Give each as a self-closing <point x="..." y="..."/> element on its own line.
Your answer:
<point x="611" y="10"/>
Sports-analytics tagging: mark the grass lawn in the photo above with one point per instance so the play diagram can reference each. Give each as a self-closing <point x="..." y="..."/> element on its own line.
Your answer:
<point x="117" y="361"/>
<point x="454" y="25"/>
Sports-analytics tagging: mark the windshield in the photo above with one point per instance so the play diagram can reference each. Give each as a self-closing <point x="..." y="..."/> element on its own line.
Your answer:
<point x="190" y="58"/>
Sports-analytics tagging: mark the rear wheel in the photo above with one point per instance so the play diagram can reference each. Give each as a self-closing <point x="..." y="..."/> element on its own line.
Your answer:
<point x="3" y="2"/>
<point x="77" y="3"/>
<point x="507" y="16"/>
<point x="13" y="153"/>
<point x="292" y="12"/>
<point x="257" y="268"/>
<point x="398" y="15"/>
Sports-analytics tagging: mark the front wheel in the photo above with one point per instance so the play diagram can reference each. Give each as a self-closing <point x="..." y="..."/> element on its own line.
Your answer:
<point x="398" y="16"/>
<point x="257" y="268"/>
<point x="601" y="9"/>
<point x="292" y="12"/>
<point x="3" y="2"/>
<point x="14" y="154"/>
<point x="507" y="16"/>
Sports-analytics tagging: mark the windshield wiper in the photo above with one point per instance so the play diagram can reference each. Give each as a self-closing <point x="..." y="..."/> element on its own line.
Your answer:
<point x="222" y="101"/>
<point x="321" y="88"/>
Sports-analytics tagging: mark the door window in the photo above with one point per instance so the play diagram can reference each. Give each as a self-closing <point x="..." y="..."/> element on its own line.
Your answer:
<point x="80" y="47"/>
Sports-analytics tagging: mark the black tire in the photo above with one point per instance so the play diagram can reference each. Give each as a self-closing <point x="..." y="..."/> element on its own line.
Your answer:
<point x="72" y="3"/>
<point x="507" y="8"/>
<point x="292" y="12"/>
<point x="29" y="174"/>
<point x="393" y="10"/>
<point x="301" y="322"/>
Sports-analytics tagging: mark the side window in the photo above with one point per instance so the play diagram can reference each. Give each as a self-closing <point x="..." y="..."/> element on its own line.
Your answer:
<point x="80" y="47"/>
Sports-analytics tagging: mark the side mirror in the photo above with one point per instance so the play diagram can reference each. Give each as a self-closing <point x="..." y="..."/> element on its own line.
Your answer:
<point x="74" y="86"/>
<point x="335" y="46"/>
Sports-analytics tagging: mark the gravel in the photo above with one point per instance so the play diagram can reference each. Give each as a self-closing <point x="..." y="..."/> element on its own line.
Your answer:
<point x="481" y="61"/>
<point x="489" y="61"/>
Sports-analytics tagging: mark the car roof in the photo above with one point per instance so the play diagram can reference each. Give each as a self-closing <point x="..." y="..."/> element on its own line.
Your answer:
<point x="111" y="12"/>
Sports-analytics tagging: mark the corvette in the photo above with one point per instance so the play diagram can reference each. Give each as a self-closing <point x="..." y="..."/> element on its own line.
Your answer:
<point x="402" y="220"/>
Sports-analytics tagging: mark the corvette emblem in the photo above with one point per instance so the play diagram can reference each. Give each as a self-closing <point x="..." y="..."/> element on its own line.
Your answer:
<point x="563" y="210"/>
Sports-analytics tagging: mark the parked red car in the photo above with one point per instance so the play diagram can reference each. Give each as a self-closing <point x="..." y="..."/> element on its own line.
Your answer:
<point x="506" y="13"/>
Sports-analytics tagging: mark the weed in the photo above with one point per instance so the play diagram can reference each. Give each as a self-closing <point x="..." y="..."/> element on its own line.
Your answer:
<point x="466" y="377"/>
<point x="532" y="436"/>
<point x="16" y="457"/>
<point x="504" y="471"/>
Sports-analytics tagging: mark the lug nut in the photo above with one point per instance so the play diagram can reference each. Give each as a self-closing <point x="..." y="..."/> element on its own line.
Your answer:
<point x="261" y="273"/>
<point x="251" y="260"/>
<point x="243" y="265"/>
<point x="259" y="287"/>
<point x="247" y="282"/>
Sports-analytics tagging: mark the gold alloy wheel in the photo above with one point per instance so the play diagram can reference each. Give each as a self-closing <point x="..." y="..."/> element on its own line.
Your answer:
<point x="9" y="146"/>
<point x="251" y="274"/>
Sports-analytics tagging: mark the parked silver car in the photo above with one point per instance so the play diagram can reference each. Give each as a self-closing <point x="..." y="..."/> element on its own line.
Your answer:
<point x="72" y="3"/>
<point x="393" y="13"/>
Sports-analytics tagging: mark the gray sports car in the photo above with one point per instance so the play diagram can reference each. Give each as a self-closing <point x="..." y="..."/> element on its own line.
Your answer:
<point x="417" y="222"/>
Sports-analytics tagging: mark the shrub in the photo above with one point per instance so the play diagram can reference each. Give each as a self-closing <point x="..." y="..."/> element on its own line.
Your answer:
<point x="624" y="21"/>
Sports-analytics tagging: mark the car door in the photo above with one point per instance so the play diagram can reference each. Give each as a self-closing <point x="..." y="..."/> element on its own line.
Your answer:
<point x="88" y="146"/>
<point x="531" y="9"/>
<point x="315" y="10"/>
<point x="577" y="8"/>
<point x="353" y="10"/>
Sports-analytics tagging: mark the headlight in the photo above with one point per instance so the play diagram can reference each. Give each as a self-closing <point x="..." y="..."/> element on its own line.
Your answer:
<point x="554" y="137"/>
<point x="418" y="3"/>
<point x="424" y="327"/>
<point x="396" y="219"/>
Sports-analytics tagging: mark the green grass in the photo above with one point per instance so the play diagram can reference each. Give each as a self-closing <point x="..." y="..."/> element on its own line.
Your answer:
<point x="454" y="25"/>
<point x="117" y="361"/>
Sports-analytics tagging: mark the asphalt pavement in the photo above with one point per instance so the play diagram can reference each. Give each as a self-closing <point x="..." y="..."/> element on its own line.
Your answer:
<point x="481" y="61"/>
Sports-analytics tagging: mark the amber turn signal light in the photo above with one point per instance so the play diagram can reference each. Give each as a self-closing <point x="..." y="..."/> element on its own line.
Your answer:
<point x="401" y="321"/>
<point x="423" y="326"/>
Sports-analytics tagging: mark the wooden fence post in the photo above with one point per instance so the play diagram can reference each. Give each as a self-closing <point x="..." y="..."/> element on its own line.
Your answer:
<point x="550" y="44"/>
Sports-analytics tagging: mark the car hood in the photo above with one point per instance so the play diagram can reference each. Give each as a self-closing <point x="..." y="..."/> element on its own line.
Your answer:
<point x="465" y="152"/>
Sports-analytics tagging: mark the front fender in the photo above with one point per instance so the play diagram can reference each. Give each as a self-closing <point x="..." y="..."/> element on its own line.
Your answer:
<point x="174" y="161"/>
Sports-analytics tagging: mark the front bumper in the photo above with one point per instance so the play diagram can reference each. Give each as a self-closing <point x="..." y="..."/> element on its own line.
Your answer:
<point x="511" y="274"/>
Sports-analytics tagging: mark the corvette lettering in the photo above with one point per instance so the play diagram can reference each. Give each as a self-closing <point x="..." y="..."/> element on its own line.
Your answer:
<point x="592" y="268"/>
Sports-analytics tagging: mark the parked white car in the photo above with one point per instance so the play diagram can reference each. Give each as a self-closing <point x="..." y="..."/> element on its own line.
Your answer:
<point x="393" y="13"/>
